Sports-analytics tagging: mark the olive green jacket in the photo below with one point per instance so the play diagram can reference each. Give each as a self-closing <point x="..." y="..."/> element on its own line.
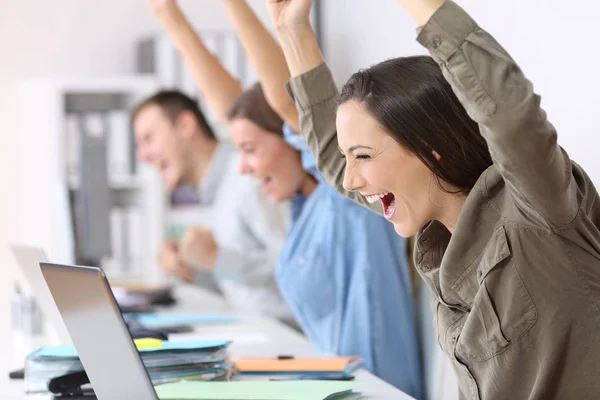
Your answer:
<point x="517" y="286"/>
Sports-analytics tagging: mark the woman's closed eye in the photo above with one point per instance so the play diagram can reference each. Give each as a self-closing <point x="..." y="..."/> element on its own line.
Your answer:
<point x="359" y="156"/>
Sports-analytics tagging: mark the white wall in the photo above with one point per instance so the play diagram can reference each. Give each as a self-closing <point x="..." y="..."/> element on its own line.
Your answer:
<point x="554" y="42"/>
<point x="86" y="36"/>
<point x="66" y="37"/>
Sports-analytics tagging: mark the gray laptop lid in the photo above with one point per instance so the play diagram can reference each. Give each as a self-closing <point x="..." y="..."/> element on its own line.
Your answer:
<point x="98" y="331"/>
<point x="28" y="259"/>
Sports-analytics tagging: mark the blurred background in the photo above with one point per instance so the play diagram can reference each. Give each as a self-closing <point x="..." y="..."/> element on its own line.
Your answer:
<point x="70" y="69"/>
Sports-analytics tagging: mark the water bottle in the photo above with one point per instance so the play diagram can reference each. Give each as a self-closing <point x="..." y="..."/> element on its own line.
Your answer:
<point x="27" y="319"/>
<point x="32" y="322"/>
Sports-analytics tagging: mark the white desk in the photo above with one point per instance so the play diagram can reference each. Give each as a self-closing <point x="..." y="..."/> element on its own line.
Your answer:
<point x="253" y="337"/>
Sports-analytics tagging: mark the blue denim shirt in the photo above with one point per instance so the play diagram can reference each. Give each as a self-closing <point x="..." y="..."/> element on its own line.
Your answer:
<point x="344" y="273"/>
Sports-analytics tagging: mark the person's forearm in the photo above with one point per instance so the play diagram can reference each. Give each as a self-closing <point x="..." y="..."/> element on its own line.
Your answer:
<point x="421" y="10"/>
<point x="300" y="47"/>
<point x="219" y="88"/>
<point x="266" y="57"/>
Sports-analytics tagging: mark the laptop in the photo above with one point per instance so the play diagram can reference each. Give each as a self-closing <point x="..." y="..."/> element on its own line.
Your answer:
<point x="103" y="342"/>
<point x="28" y="259"/>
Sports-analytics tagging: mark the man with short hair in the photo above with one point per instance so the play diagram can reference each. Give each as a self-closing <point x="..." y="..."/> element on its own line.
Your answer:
<point x="245" y="232"/>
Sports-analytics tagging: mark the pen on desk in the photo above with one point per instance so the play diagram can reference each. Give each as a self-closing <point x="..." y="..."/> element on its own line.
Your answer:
<point x="330" y="377"/>
<point x="285" y="357"/>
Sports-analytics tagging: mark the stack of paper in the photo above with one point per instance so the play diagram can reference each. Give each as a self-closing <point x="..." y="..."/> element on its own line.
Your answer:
<point x="258" y="390"/>
<point x="165" y="362"/>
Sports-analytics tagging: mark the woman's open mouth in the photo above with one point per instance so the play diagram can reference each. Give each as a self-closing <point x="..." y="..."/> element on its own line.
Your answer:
<point x="388" y="201"/>
<point x="389" y="206"/>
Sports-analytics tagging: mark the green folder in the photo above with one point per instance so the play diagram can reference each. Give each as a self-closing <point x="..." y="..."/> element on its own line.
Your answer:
<point x="257" y="390"/>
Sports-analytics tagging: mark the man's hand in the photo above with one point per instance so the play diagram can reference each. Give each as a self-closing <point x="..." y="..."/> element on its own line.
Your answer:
<point x="198" y="248"/>
<point x="167" y="11"/>
<point x="168" y="260"/>
<point x="289" y="13"/>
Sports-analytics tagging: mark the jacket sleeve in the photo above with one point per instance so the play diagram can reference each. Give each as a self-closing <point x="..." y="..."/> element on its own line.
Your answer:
<point x="497" y="95"/>
<point x="316" y="98"/>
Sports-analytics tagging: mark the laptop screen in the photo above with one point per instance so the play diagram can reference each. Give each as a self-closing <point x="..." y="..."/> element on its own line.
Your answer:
<point x="99" y="333"/>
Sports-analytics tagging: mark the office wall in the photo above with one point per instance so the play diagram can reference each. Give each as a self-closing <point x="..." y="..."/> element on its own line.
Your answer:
<point x="86" y="37"/>
<point x="63" y="38"/>
<point x="7" y="223"/>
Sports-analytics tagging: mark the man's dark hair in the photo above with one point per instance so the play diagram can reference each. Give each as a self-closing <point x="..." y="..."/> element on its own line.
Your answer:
<point x="173" y="103"/>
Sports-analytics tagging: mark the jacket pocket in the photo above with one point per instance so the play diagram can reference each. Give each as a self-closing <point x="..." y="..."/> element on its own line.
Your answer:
<point x="502" y="310"/>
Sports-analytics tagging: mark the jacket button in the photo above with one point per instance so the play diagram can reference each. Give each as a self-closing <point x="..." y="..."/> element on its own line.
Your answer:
<point x="437" y="41"/>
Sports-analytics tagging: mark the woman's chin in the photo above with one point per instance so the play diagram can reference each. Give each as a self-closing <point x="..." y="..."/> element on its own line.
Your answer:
<point x="403" y="229"/>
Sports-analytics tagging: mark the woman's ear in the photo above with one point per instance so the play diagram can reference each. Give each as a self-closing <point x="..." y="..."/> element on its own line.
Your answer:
<point x="436" y="155"/>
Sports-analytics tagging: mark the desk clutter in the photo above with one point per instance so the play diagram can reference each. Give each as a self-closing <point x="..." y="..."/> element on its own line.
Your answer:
<point x="188" y="370"/>
<point x="176" y="322"/>
<point x="140" y="298"/>
<point x="58" y="369"/>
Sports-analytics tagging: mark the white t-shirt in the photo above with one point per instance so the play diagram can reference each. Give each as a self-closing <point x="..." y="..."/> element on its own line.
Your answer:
<point x="250" y="232"/>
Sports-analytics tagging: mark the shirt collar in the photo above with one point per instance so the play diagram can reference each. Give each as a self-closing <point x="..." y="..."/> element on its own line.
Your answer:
<point x="298" y="142"/>
<point x="431" y="242"/>
<point x="434" y="241"/>
<point x="214" y="174"/>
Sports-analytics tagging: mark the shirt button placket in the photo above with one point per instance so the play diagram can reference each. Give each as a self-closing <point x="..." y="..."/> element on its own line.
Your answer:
<point x="453" y="345"/>
<point x="471" y="380"/>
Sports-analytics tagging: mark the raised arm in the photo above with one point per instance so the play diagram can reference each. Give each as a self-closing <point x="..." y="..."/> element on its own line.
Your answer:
<point x="496" y="94"/>
<point x="266" y="57"/>
<point x="292" y="23"/>
<point x="219" y="88"/>
<point x="313" y="90"/>
<point x="421" y="10"/>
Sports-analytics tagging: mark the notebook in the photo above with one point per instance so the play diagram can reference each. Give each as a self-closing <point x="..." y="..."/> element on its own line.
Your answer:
<point x="258" y="390"/>
<point x="335" y="364"/>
